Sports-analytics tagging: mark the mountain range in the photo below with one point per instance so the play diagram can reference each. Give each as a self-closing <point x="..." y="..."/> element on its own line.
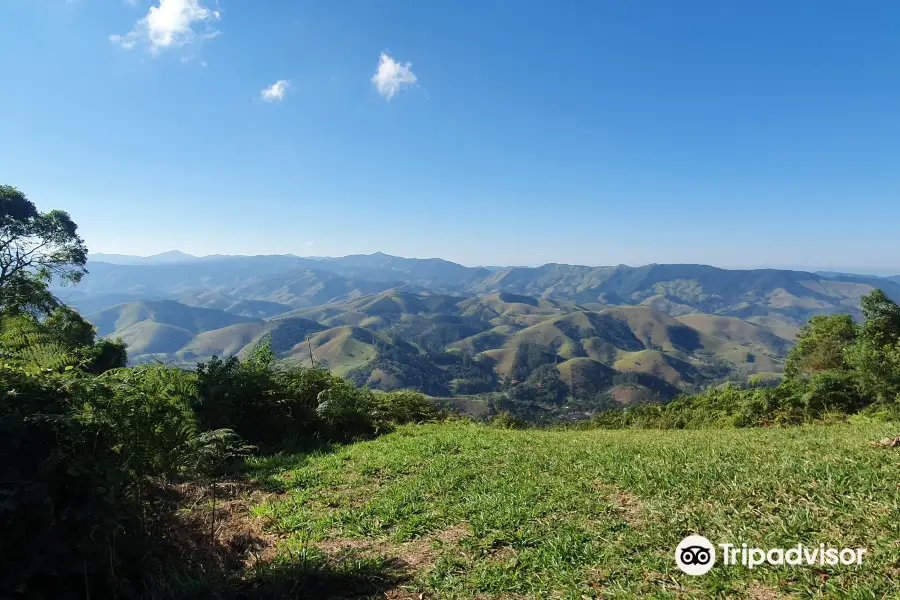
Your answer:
<point x="447" y="329"/>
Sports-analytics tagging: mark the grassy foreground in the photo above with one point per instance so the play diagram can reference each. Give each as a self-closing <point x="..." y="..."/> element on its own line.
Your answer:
<point x="460" y="510"/>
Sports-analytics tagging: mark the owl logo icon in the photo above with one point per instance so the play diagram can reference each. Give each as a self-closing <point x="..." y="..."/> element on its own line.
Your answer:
<point x="695" y="555"/>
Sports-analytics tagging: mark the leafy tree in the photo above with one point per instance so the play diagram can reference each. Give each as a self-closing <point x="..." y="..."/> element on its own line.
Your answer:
<point x="37" y="332"/>
<point x="821" y="344"/>
<point x="875" y="358"/>
<point x="882" y="319"/>
<point x="831" y="391"/>
<point x="35" y="247"/>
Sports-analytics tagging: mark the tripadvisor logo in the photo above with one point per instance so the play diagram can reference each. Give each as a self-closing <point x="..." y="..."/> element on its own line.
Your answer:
<point x="696" y="555"/>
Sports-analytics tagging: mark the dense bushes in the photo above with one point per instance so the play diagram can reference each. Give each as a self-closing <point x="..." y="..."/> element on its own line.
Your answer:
<point x="79" y="452"/>
<point x="63" y="485"/>
<point x="829" y="395"/>
<point x="277" y="407"/>
<point x="730" y="405"/>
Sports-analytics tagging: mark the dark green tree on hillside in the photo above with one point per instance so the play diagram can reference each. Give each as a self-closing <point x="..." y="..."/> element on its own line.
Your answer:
<point x="37" y="331"/>
<point x="35" y="247"/>
<point x="821" y="344"/>
<point x="882" y="324"/>
<point x="876" y="355"/>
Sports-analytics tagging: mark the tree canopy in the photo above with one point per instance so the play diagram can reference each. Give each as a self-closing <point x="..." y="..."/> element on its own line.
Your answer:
<point x="821" y="344"/>
<point x="37" y="331"/>
<point x="35" y="248"/>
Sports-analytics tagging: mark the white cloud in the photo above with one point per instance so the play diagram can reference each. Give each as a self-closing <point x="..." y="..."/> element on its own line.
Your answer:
<point x="275" y="92"/>
<point x="310" y="242"/>
<point x="170" y="24"/>
<point x="392" y="76"/>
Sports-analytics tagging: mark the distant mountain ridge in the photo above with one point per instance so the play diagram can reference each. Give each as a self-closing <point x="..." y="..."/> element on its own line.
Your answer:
<point x="295" y="282"/>
<point x="170" y="257"/>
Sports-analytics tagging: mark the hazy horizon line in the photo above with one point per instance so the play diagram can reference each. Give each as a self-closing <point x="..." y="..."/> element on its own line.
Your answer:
<point x="849" y="270"/>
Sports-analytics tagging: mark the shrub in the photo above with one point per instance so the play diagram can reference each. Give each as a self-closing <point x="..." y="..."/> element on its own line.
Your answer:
<point x="65" y="490"/>
<point x="149" y="410"/>
<point x="505" y="420"/>
<point x="403" y="406"/>
<point x="346" y="412"/>
<point x="244" y="397"/>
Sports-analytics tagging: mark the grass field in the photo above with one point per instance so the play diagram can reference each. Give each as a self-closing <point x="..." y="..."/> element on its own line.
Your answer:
<point x="460" y="510"/>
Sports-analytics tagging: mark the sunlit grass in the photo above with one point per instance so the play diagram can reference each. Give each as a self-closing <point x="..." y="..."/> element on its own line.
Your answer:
<point x="599" y="513"/>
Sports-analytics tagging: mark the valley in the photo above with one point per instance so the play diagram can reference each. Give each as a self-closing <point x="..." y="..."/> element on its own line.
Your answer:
<point x="556" y="339"/>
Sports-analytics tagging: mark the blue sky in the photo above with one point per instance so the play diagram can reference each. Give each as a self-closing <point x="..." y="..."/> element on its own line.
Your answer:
<point x="739" y="134"/>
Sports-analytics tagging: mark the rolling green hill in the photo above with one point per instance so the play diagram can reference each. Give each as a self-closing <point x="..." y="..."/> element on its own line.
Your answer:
<point x="228" y="341"/>
<point x="111" y="321"/>
<point x="450" y="344"/>
<point x="339" y="349"/>
<point x="753" y="335"/>
<point x="249" y="308"/>
<point x="147" y="338"/>
<point x="305" y="287"/>
<point x="430" y="321"/>
<point x="612" y="336"/>
<point x="653" y="362"/>
<point x="586" y="376"/>
<point x="165" y="327"/>
<point x="577" y="334"/>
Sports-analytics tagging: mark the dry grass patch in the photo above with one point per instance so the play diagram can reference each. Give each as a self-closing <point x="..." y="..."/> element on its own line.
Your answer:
<point x="626" y="504"/>
<point x="759" y="591"/>
<point x="224" y="527"/>
<point x="414" y="555"/>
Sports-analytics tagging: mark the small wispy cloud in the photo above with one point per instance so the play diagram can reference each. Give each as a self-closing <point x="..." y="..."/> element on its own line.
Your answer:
<point x="276" y="91"/>
<point x="309" y="242"/>
<point x="392" y="76"/>
<point x="170" y="24"/>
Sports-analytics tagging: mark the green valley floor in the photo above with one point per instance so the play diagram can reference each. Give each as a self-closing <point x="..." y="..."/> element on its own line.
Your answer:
<point x="460" y="510"/>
